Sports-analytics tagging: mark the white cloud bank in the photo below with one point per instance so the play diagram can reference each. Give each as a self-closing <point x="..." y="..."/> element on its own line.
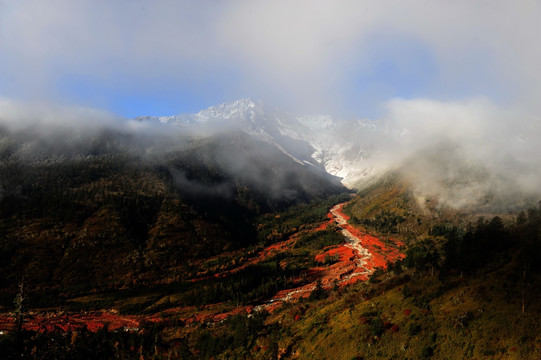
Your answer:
<point x="313" y="54"/>
<point x="470" y="154"/>
<point x="477" y="63"/>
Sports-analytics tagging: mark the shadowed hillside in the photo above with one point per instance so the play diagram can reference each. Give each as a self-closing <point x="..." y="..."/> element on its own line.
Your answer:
<point x="118" y="214"/>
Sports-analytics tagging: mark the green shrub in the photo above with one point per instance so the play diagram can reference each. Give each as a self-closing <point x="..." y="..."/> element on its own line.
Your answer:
<point x="427" y="352"/>
<point x="376" y="327"/>
<point x="374" y="277"/>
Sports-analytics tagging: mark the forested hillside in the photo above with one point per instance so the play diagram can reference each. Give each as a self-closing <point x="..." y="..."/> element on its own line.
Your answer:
<point x="464" y="283"/>
<point x="117" y="215"/>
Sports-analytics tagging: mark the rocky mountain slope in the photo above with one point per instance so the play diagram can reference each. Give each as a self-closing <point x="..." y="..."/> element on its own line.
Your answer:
<point x="335" y="145"/>
<point x="462" y="165"/>
<point x="225" y="213"/>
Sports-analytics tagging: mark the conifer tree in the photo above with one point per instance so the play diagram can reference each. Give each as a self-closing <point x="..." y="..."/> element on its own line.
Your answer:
<point x="20" y="306"/>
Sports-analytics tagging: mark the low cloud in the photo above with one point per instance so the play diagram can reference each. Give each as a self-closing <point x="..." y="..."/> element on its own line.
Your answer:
<point x="488" y="132"/>
<point x="39" y="132"/>
<point x="18" y="115"/>
<point x="468" y="154"/>
<point x="465" y="153"/>
<point x="312" y="56"/>
<point x="47" y="118"/>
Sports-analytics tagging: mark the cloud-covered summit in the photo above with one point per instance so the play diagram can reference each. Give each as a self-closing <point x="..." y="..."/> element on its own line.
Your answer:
<point x="428" y="72"/>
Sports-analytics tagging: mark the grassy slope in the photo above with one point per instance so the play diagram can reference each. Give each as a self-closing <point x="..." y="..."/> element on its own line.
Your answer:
<point x="389" y="207"/>
<point x="407" y="315"/>
<point x="476" y="318"/>
<point x="410" y="314"/>
<point x="459" y="318"/>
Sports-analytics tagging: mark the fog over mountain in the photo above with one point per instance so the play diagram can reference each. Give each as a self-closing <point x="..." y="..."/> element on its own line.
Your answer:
<point x="440" y="146"/>
<point x="340" y="147"/>
<point x="353" y="87"/>
<point x="253" y="179"/>
<point x="230" y="157"/>
<point x="464" y="153"/>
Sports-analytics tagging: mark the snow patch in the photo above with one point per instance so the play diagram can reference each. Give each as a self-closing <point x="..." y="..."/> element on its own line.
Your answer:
<point x="321" y="140"/>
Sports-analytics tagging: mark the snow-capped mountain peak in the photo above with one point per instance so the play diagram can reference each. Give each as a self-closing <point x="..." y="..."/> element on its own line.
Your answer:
<point x="318" y="140"/>
<point x="317" y="122"/>
<point x="244" y="108"/>
<point x="244" y="114"/>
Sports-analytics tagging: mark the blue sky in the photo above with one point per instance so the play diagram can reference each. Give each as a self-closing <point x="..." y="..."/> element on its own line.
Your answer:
<point x="344" y="58"/>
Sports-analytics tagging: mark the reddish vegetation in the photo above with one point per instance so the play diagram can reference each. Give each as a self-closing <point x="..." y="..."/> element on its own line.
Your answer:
<point x="341" y="253"/>
<point x="70" y="322"/>
<point x="324" y="226"/>
<point x="209" y="316"/>
<point x="351" y="265"/>
<point x="381" y="253"/>
<point x="353" y="261"/>
<point x="356" y="260"/>
<point x="261" y="256"/>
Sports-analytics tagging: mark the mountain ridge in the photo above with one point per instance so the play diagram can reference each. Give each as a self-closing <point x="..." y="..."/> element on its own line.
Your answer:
<point x="319" y="140"/>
